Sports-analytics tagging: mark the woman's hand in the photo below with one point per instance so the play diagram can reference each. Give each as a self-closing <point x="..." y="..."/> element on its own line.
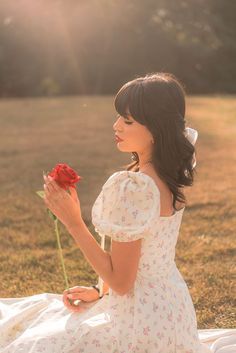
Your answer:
<point x="85" y="294"/>
<point x="65" y="206"/>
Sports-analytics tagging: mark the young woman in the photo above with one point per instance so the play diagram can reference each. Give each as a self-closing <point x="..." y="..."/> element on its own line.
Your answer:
<point x="148" y="308"/>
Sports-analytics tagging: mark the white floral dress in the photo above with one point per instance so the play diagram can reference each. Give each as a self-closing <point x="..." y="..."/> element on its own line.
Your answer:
<point x="156" y="316"/>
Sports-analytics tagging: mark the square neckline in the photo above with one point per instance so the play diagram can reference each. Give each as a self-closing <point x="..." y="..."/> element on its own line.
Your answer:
<point x="152" y="180"/>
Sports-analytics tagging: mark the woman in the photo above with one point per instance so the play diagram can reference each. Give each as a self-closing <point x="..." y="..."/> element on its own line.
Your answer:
<point x="149" y="308"/>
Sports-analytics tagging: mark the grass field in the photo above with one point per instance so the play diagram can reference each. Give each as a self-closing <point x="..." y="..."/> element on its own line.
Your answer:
<point x="38" y="133"/>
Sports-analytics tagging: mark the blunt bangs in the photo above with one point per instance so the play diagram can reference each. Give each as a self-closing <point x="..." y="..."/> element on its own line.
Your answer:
<point x="130" y="99"/>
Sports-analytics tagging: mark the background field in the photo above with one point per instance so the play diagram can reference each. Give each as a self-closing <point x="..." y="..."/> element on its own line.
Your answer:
<point x="38" y="133"/>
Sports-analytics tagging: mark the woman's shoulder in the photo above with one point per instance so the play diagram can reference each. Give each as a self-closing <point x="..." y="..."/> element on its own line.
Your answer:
<point x="131" y="179"/>
<point x="126" y="207"/>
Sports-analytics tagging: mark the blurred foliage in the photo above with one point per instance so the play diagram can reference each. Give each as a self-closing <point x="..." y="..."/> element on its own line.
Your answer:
<point x="94" y="46"/>
<point x="49" y="87"/>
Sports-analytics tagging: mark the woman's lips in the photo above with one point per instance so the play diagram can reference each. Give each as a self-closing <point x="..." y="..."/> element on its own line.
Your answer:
<point x="117" y="138"/>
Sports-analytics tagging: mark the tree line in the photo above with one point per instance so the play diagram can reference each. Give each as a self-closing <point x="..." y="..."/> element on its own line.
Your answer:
<point x="51" y="47"/>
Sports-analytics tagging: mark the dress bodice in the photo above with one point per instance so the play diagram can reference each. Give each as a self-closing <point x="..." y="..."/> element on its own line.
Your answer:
<point x="127" y="209"/>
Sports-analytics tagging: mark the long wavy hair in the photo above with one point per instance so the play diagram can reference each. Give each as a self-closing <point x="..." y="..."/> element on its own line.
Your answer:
<point x="157" y="101"/>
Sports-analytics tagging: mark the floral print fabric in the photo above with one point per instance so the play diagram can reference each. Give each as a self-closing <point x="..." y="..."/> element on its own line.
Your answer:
<point x="126" y="207"/>
<point x="158" y="314"/>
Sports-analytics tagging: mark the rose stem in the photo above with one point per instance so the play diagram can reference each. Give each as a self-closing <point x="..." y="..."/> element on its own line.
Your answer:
<point x="60" y="252"/>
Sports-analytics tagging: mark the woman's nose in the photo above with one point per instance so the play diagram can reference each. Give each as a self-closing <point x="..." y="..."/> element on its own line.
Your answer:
<point x="116" y="123"/>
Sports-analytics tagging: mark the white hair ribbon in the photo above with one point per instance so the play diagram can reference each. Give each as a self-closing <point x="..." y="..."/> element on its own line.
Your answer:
<point x="192" y="135"/>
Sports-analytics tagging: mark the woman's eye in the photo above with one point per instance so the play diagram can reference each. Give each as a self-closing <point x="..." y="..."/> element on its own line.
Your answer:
<point x="129" y="123"/>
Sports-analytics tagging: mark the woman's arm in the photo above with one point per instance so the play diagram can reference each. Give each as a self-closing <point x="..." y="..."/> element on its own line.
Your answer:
<point x="99" y="259"/>
<point x="117" y="269"/>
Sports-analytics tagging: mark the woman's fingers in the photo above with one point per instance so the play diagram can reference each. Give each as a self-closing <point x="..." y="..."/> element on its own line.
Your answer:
<point x="75" y="289"/>
<point x="76" y="295"/>
<point x="74" y="194"/>
<point x="65" y="301"/>
<point x="47" y="186"/>
<point x="74" y="308"/>
<point x="70" y="306"/>
<point x="73" y="296"/>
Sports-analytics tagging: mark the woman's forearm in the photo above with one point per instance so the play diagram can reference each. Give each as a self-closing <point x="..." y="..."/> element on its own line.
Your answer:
<point x="99" y="259"/>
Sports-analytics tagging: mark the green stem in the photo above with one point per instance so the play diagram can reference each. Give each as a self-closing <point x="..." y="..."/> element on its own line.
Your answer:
<point x="60" y="252"/>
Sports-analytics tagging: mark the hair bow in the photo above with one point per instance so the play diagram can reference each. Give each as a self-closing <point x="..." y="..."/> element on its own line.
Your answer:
<point x="192" y="135"/>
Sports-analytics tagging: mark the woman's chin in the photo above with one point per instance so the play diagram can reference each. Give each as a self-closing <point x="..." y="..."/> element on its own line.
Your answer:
<point x="122" y="149"/>
<point x="119" y="145"/>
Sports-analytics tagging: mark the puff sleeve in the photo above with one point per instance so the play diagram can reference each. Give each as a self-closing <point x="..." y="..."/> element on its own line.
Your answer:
<point x="126" y="207"/>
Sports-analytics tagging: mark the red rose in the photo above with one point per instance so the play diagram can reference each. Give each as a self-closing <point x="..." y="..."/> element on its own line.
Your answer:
<point x="64" y="175"/>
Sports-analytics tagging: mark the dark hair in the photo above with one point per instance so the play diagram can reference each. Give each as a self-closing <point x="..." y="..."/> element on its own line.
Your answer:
<point x="157" y="101"/>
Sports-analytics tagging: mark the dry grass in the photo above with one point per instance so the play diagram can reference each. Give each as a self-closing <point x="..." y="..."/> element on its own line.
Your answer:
<point x="38" y="133"/>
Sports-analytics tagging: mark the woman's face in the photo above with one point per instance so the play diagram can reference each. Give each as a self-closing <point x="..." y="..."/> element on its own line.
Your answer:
<point x="136" y="137"/>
